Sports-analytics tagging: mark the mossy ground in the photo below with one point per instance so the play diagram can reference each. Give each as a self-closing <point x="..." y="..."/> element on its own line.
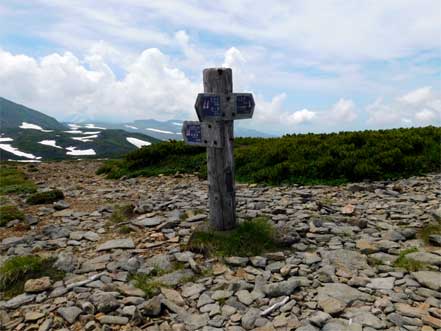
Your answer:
<point x="249" y="238"/>
<point x="18" y="269"/>
<point x="9" y="213"/>
<point x="40" y="198"/>
<point x="121" y="213"/>
<point x="410" y="265"/>
<point x="15" y="181"/>
<point x="429" y="229"/>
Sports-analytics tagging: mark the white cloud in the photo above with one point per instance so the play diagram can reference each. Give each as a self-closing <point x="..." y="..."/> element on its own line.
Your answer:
<point x="417" y="96"/>
<point x="65" y="87"/>
<point x="418" y="107"/>
<point x="301" y="116"/>
<point x="322" y="29"/>
<point x="342" y="111"/>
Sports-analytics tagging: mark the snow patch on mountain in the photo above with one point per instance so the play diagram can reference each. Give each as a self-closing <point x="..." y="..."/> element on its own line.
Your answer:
<point x="131" y="127"/>
<point x="74" y="131"/>
<point x="74" y="151"/>
<point x="16" y="151"/>
<point x="91" y="132"/>
<point x="25" y="125"/>
<point x="86" y="138"/>
<point x="4" y="139"/>
<point x="23" y="160"/>
<point x="160" y="131"/>
<point x="92" y="126"/>
<point x="51" y="143"/>
<point x="138" y="142"/>
<point x="176" y="123"/>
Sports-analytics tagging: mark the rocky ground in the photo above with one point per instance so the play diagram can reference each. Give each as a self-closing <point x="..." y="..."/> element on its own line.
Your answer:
<point x="339" y="274"/>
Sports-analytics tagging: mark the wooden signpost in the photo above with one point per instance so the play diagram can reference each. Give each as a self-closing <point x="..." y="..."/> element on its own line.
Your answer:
<point x="217" y="108"/>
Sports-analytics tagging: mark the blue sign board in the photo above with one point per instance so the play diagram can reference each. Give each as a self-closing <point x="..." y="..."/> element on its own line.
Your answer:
<point x="244" y="104"/>
<point x="211" y="106"/>
<point x="193" y="133"/>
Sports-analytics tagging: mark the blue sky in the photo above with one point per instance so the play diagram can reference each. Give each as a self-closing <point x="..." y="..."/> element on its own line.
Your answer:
<point x="313" y="66"/>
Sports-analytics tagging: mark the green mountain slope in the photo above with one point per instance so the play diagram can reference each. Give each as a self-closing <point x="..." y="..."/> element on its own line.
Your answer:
<point x="12" y="115"/>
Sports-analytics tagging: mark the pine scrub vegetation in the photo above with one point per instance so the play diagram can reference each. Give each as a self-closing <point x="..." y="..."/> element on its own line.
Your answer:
<point x="333" y="158"/>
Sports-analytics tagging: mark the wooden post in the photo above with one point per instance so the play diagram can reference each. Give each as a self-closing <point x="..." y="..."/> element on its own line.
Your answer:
<point x="220" y="162"/>
<point x="217" y="108"/>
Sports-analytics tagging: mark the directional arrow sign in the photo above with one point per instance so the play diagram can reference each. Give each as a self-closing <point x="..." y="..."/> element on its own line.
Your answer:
<point x="243" y="106"/>
<point x="202" y="134"/>
<point x="208" y="106"/>
<point x="226" y="107"/>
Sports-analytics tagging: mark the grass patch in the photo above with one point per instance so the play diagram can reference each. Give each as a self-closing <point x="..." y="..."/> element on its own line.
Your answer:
<point x="249" y="238"/>
<point x="429" y="229"/>
<point x="9" y="213"/>
<point x="124" y="229"/>
<point x="147" y="284"/>
<point x="13" y="180"/>
<point x="410" y="265"/>
<point x="121" y="213"/>
<point x="40" y="198"/>
<point x="18" y="269"/>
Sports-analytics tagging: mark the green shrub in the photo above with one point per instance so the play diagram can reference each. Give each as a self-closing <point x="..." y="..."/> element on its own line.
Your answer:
<point x="9" y="213"/>
<point x="45" y="197"/>
<point x="333" y="158"/>
<point x="249" y="238"/>
<point x="18" y="269"/>
<point x="14" y="181"/>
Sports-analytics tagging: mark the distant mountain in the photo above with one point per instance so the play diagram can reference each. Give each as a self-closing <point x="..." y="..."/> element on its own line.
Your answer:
<point x="28" y="135"/>
<point x="169" y="130"/>
<point x="12" y="115"/>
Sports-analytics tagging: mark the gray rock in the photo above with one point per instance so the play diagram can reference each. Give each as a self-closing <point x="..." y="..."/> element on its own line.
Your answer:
<point x="105" y="302"/>
<point x="65" y="261"/>
<point x="236" y="260"/>
<point x="364" y="318"/>
<point x="430" y="279"/>
<point x="281" y="288"/>
<point x="60" y="205"/>
<point x="153" y="307"/>
<point x="249" y="318"/>
<point x="307" y="327"/>
<point x="175" y="278"/>
<point x="148" y="222"/>
<point x="110" y="319"/>
<point x="245" y="297"/>
<point x="424" y="257"/>
<point x="161" y="262"/>
<point x="341" y="292"/>
<point x="70" y="314"/>
<point x="435" y="239"/>
<point x="13" y="241"/>
<point x="382" y="283"/>
<point x="192" y="290"/>
<point x="347" y="261"/>
<point x="319" y="318"/>
<point x="19" y="300"/>
<point x="116" y="243"/>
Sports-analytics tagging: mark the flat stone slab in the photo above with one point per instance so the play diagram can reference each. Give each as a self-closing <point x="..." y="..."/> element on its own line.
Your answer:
<point x="148" y="222"/>
<point x="382" y="283"/>
<point x="70" y="314"/>
<point x="430" y="279"/>
<point x="424" y="257"/>
<point x="116" y="243"/>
